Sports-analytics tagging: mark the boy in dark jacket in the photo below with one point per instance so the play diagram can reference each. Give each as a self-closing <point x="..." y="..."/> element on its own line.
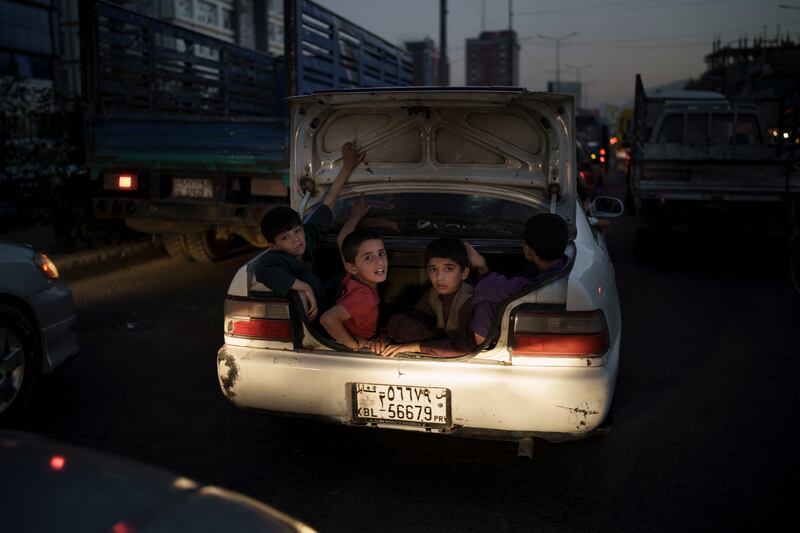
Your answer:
<point x="290" y="263"/>
<point x="438" y="325"/>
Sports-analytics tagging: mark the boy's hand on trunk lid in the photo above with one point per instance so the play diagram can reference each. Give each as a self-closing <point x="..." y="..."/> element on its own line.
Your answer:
<point x="350" y="156"/>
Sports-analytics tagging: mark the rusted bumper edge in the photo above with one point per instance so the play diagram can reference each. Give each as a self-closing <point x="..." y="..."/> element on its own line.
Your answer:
<point x="227" y="373"/>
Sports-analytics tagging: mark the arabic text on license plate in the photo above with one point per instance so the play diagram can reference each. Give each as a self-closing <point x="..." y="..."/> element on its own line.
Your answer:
<point x="401" y="404"/>
<point x="192" y="187"/>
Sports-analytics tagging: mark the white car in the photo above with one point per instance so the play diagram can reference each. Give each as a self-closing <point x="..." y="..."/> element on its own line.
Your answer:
<point x="471" y="164"/>
<point x="36" y="319"/>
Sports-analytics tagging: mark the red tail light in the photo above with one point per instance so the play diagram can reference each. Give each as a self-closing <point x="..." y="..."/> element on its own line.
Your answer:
<point x="559" y="334"/>
<point x="121" y="182"/>
<point x="264" y="319"/>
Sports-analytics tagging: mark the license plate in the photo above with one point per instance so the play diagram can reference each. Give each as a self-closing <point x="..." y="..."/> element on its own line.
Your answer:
<point x="401" y="404"/>
<point x="192" y="188"/>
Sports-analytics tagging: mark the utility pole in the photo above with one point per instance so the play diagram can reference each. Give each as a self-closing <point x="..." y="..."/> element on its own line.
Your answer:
<point x="558" y="40"/>
<point x="512" y="75"/>
<point x="444" y="74"/>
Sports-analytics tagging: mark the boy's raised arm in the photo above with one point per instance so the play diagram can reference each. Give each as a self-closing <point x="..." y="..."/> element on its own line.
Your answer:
<point x="476" y="260"/>
<point x="350" y="160"/>
<point x="357" y="212"/>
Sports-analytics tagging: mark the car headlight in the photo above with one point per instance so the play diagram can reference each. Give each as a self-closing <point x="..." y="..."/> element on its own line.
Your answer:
<point x="46" y="265"/>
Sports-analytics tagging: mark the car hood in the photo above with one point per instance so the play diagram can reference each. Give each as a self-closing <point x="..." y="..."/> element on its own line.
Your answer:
<point x="511" y="139"/>
<point x="63" y="487"/>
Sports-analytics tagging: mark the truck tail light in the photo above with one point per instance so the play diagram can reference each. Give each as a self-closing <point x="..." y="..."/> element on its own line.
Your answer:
<point x="263" y="319"/>
<point x="559" y="334"/>
<point x="121" y="182"/>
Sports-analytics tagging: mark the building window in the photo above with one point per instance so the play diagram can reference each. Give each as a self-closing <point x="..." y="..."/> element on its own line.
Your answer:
<point x="207" y="13"/>
<point x="185" y="8"/>
<point x="227" y="19"/>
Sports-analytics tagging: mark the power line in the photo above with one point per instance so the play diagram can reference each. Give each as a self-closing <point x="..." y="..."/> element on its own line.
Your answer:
<point x="671" y="38"/>
<point x="477" y="9"/>
<point x="611" y="8"/>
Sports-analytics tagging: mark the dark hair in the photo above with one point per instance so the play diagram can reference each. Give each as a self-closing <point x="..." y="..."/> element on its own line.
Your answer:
<point x="277" y="220"/>
<point x="448" y="248"/>
<point x="351" y="243"/>
<point x="546" y="234"/>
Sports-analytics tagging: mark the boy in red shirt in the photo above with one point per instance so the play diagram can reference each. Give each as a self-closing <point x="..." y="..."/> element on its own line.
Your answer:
<point x="354" y="318"/>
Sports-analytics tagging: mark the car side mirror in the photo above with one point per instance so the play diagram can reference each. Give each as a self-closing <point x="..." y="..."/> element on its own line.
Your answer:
<point x="606" y="207"/>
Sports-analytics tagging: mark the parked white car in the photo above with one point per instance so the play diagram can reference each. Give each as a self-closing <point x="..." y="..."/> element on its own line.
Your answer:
<point x="36" y="319"/>
<point x="461" y="163"/>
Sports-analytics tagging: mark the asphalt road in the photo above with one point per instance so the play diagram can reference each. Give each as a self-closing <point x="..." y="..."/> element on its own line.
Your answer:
<point x="703" y="424"/>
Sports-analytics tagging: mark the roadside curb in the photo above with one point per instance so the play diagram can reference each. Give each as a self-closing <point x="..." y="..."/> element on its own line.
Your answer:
<point x="78" y="262"/>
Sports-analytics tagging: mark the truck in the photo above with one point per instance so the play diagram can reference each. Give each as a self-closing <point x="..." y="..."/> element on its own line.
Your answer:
<point x="186" y="135"/>
<point x="696" y="152"/>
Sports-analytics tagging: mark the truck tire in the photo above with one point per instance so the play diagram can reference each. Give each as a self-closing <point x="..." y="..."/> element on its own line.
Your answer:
<point x="204" y="247"/>
<point x="176" y="245"/>
<point x="19" y="361"/>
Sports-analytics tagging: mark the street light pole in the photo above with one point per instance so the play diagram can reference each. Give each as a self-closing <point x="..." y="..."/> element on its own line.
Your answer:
<point x="558" y="40"/>
<point x="444" y="73"/>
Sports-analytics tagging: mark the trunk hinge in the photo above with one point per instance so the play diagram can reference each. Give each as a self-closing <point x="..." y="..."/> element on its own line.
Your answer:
<point x="554" y="188"/>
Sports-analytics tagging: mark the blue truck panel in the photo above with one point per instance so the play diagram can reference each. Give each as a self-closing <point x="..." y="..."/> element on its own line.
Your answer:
<point x="168" y="103"/>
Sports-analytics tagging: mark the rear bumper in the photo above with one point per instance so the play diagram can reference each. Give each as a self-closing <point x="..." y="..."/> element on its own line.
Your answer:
<point x="487" y="399"/>
<point x="202" y="214"/>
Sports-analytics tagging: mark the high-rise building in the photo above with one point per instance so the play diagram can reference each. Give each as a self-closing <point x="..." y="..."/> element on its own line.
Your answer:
<point x="28" y="44"/>
<point x="425" y="56"/>
<point x="493" y="58"/>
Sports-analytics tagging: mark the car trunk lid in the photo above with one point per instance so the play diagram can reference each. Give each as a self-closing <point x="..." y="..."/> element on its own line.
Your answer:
<point x="510" y="139"/>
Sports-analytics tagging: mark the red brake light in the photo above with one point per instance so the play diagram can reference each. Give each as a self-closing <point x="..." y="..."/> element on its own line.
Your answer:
<point x="57" y="462"/>
<point x="561" y="345"/>
<point x="125" y="182"/>
<point x="121" y="182"/>
<point x="264" y="319"/>
<point x="263" y="329"/>
<point x="559" y="334"/>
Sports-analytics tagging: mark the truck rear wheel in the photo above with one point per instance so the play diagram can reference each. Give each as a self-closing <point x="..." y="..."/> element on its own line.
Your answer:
<point x="204" y="247"/>
<point x="176" y="245"/>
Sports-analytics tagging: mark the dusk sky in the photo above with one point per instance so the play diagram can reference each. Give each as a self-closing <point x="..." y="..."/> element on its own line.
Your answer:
<point x="664" y="40"/>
